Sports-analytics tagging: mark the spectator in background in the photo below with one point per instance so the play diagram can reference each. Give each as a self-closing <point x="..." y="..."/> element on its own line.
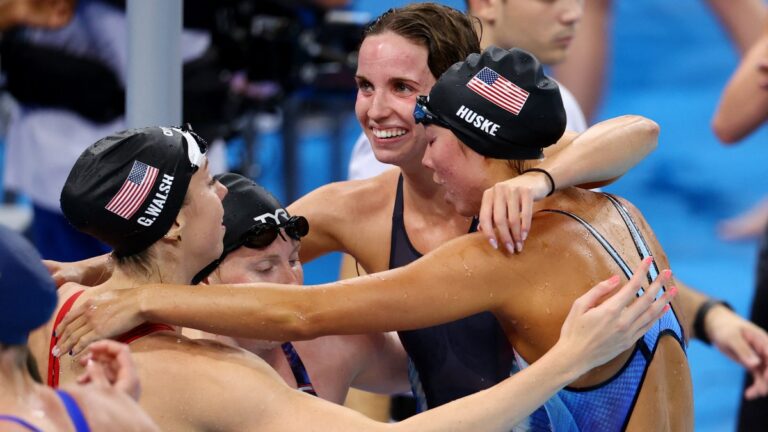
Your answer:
<point x="584" y="69"/>
<point x="65" y="108"/>
<point x="743" y="108"/>
<point x="103" y="401"/>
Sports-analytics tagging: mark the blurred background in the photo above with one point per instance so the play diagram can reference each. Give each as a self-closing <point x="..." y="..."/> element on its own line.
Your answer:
<point x="277" y="96"/>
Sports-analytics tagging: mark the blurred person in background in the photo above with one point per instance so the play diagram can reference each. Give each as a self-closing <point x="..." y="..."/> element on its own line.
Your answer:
<point x="584" y="70"/>
<point x="105" y="398"/>
<point x="742" y="109"/>
<point x="69" y="83"/>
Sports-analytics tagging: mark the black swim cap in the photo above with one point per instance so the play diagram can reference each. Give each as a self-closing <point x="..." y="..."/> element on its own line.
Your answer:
<point x="246" y="206"/>
<point x="499" y="103"/>
<point x="27" y="292"/>
<point x="127" y="188"/>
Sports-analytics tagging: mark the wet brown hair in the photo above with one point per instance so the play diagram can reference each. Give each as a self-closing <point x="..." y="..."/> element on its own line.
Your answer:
<point x="448" y="34"/>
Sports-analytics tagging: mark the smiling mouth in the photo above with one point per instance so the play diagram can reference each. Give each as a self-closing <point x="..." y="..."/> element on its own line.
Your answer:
<point x="388" y="133"/>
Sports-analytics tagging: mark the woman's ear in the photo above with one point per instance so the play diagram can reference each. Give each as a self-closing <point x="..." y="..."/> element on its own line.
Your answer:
<point x="174" y="233"/>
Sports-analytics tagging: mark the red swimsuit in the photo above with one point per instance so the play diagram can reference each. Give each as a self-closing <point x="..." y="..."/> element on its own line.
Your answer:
<point x="128" y="337"/>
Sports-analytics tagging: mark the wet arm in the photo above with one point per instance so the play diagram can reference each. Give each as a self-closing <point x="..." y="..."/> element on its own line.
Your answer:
<point x="399" y="299"/>
<point x="384" y="367"/>
<point x="602" y="153"/>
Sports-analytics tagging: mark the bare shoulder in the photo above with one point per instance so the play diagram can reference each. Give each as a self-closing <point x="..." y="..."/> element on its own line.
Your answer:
<point x="357" y="196"/>
<point x="110" y="409"/>
<point x="203" y="384"/>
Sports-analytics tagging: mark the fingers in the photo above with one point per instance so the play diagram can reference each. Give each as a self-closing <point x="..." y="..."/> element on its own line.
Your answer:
<point x="506" y="212"/>
<point x="54" y="269"/>
<point x="741" y="351"/>
<point x="503" y="213"/>
<point x="117" y="362"/>
<point x="758" y="341"/>
<point x="643" y="323"/>
<point x="644" y="302"/>
<point x="94" y="372"/>
<point x="69" y="330"/>
<point x="591" y="298"/>
<point x="626" y="294"/>
<point x="485" y="218"/>
<point x="526" y="214"/>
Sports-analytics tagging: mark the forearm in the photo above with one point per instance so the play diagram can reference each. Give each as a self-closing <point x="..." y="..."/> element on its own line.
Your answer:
<point x="689" y="301"/>
<point x="504" y="405"/>
<point x="744" y="103"/>
<point x="603" y="152"/>
<point x="742" y="18"/>
<point x="399" y="299"/>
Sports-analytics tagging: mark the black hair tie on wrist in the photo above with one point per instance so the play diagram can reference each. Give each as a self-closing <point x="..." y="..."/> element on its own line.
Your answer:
<point x="701" y="314"/>
<point x="549" y="177"/>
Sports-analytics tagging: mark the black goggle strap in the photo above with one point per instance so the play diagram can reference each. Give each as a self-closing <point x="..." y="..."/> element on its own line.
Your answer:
<point x="423" y="115"/>
<point x="296" y="227"/>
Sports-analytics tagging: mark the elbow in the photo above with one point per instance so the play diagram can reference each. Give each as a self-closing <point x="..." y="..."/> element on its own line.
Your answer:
<point x="725" y="132"/>
<point x="649" y="131"/>
<point x="298" y="325"/>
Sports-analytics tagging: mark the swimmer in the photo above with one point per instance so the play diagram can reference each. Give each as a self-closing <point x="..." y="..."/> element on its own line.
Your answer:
<point x="105" y="397"/>
<point x="326" y="366"/>
<point x="581" y="238"/>
<point x="148" y="194"/>
<point x="393" y="219"/>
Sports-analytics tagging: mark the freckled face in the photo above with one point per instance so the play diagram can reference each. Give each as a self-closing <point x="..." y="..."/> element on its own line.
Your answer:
<point x="392" y="71"/>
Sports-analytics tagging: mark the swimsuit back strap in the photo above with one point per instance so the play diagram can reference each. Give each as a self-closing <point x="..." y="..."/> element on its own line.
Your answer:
<point x="53" y="361"/>
<point x="20" y="421"/>
<point x="299" y="371"/>
<point x="640" y="244"/>
<point x="75" y="413"/>
<point x="603" y="242"/>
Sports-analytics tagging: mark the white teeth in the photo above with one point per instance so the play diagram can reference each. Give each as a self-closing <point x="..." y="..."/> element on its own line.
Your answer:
<point x="388" y="133"/>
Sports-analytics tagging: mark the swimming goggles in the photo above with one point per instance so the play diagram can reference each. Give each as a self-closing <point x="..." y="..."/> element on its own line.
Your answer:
<point x="263" y="234"/>
<point x="423" y="115"/>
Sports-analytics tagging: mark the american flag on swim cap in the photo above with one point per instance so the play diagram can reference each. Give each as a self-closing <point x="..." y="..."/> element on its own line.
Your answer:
<point x="498" y="90"/>
<point x="134" y="191"/>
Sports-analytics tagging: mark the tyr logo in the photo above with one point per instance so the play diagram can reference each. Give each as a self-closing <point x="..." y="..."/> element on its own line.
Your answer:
<point x="276" y="217"/>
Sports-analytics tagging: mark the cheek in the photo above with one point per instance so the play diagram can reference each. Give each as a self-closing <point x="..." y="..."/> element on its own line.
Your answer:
<point x="361" y="106"/>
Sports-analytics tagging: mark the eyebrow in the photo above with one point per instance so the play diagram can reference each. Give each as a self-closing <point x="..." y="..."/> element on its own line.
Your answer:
<point x="391" y="80"/>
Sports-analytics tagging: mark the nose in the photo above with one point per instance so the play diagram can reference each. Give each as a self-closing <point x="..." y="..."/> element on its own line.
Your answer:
<point x="572" y="12"/>
<point x="221" y="190"/>
<point x="380" y="107"/>
<point x="427" y="159"/>
<point x="290" y="275"/>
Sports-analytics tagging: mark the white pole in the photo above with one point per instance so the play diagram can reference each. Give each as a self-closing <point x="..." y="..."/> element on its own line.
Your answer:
<point x="153" y="94"/>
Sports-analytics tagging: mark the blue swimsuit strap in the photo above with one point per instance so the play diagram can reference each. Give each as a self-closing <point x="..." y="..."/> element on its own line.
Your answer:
<point x="603" y="242"/>
<point x="299" y="371"/>
<point x="19" y="421"/>
<point x="75" y="414"/>
<point x="642" y="246"/>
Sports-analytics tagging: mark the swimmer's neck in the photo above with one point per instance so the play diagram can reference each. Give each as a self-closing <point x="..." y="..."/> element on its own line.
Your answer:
<point x="14" y="378"/>
<point x="165" y="267"/>
<point x="425" y="196"/>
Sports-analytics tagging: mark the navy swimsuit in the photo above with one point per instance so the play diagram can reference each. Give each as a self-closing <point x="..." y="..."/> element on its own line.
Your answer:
<point x="452" y="360"/>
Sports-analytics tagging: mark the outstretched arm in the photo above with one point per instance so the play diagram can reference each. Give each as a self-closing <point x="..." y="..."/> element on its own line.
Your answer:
<point x="593" y="158"/>
<point x="401" y="299"/>
<point x="743" y="105"/>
